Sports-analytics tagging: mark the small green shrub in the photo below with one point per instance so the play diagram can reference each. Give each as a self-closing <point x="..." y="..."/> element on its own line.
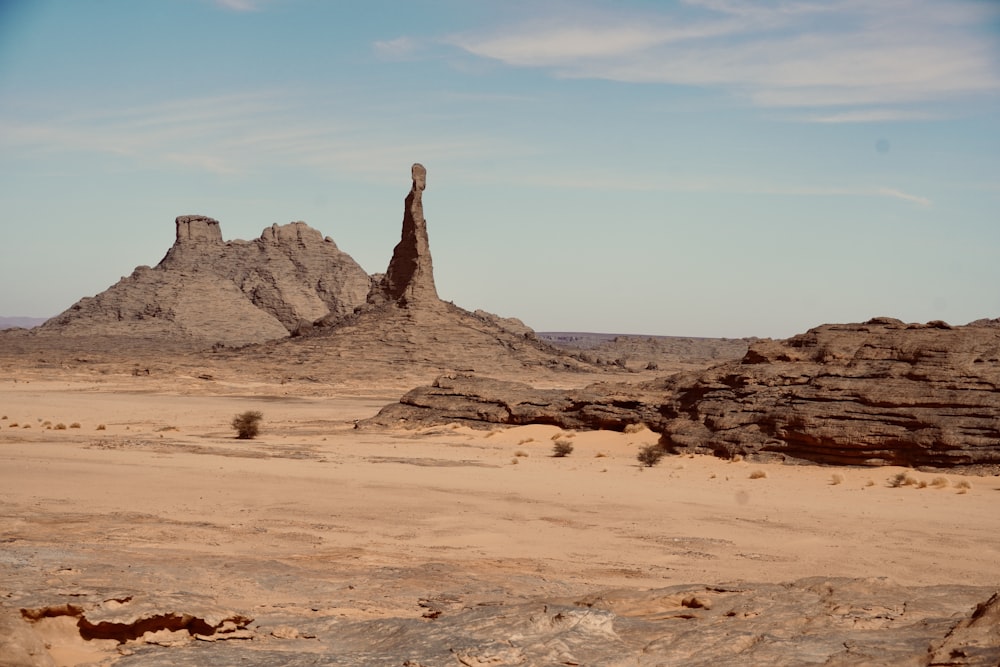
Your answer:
<point x="562" y="448"/>
<point x="247" y="424"/>
<point x="650" y="455"/>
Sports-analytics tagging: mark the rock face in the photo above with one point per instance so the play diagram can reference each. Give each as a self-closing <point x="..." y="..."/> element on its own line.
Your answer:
<point x="234" y="292"/>
<point x="405" y="332"/>
<point x="878" y="393"/>
<point x="409" y="279"/>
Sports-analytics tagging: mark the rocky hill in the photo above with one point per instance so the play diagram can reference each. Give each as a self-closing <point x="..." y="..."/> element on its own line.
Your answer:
<point x="405" y="331"/>
<point x="877" y="393"/>
<point x="230" y="292"/>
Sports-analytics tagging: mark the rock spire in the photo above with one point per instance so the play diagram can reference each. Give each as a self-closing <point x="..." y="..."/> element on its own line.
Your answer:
<point x="410" y="277"/>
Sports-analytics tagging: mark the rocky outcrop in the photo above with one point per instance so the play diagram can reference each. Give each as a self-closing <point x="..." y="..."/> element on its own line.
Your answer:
<point x="811" y="621"/>
<point x="233" y="293"/>
<point x="405" y="332"/>
<point x="409" y="280"/>
<point x="877" y="393"/>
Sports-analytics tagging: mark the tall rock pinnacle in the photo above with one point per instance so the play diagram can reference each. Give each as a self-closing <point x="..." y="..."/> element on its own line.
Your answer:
<point x="410" y="277"/>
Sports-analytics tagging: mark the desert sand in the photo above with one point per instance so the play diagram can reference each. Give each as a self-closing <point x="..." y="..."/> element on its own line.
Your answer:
<point x="147" y="493"/>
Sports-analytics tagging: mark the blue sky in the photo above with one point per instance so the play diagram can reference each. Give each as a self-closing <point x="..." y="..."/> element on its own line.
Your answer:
<point x="692" y="168"/>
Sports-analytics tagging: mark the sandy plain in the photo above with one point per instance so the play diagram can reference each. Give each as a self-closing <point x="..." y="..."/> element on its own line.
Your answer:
<point x="151" y="492"/>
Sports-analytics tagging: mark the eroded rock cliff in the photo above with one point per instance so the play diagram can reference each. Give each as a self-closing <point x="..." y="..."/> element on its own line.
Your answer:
<point x="882" y="392"/>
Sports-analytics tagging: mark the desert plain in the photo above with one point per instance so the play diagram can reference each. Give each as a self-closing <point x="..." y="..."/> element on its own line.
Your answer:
<point x="348" y="545"/>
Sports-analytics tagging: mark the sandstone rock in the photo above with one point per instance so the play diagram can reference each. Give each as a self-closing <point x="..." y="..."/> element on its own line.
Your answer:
<point x="878" y="393"/>
<point x="409" y="279"/>
<point x="812" y="621"/>
<point x="405" y="331"/>
<point x="234" y="293"/>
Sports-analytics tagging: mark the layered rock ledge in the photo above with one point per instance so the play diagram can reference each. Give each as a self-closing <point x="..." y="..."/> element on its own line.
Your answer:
<point x="878" y="393"/>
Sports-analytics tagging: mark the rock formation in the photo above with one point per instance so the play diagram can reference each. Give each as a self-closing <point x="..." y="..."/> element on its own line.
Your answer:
<point x="877" y="393"/>
<point x="409" y="279"/>
<point x="406" y="332"/>
<point x="235" y="292"/>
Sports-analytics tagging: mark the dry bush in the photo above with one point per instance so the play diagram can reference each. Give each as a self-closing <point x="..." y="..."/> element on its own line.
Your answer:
<point x="4" y="417"/>
<point x="75" y="425"/>
<point x="599" y="455"/>
<point x="46" y="422"/>
<point x="758" y="474"/>
<point x="521" y="453"/>
<point x="13" y="425"/>
<point x="60" y="426"/>
<point x="939" y="482"/>
<point x="922" y="484"/>
<point x="525" y="441"/>
<point x="514" y="461"/>
<point x="562" y="448"/>
<point x="902" y="479"/>
<point x="634" y="428"/>
<point x="836" y="479"/>
<point x="247" y="424"/>
<point x="650" y="455"/>
<point x="26" y="426"/>
<point x="963" y="486"/>
<point x="101" y="427"/>
<point x="736" y="458"/>
<point x="870" y="482"/>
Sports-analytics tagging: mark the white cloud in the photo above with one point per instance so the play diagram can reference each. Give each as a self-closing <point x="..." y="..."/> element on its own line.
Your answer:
<point x="784" y="54"/>
<point x="870" y="116"/>
<point x="905" y="196"/>
<point x="400" y="48"/>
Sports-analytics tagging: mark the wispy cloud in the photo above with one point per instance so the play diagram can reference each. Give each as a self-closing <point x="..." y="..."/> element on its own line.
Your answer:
<point x="784" y="54"/>
<point x="905" y="196"/>
<point x="239" y="5"/>
<point x="237" y="135"/>
<point x="871" y="116"/>
<point x="400" y="48"/>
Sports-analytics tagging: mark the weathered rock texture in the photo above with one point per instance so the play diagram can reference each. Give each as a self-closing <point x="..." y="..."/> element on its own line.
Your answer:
<point x="234" y="292"/>
<point x="877" y="393"/>
<point x="813" y="621"/>
<point x="409" y="279"/>
<point x="405" y="331"/>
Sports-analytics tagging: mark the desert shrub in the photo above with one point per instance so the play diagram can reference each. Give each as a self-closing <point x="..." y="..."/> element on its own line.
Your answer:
<point x="758" y="474"/>
<point x="634" y="428"/>
<point x="939" y="482"/>
<point x="902" y="479"/>
<point x="525" y="441"/>
<point x="520" y="452"/>
<point x="562" y="448"/>
<point x="13" y="425"/>
<point x="650" y="455"/>
<point x="60" y="426"/>
<point x="963" y="486"/>
<point x="599" y="455"/>
<point x="837" y="478"/>
<point x="247" y="424"/>
<point x="101" y="427"/>
<point x="75" y="425"/>
<point x="4" y="417"/>
<point x="652" y="366"/>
